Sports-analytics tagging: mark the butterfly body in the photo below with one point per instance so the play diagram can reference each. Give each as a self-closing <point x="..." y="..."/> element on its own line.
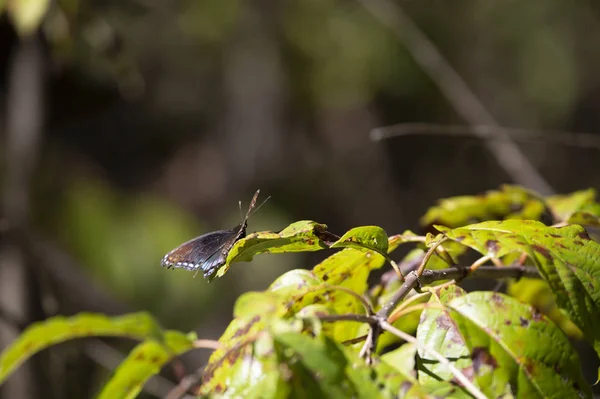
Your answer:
<point x="209" y="251"/>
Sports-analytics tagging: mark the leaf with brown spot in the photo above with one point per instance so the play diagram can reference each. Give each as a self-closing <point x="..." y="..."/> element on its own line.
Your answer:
<point x="302" y="236"/>
<point x="438" y="331"/>
<point x="568" y="263"/>
<point x="565" y="206"/>
<point x="364" y="238"/>
<point x="514" y="357"/>
<point x="251" y="369"/>
<point x="321" y="368"/>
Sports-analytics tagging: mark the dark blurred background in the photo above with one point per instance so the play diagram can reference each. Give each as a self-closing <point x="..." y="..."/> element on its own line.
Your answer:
<point x="131" y="126"/>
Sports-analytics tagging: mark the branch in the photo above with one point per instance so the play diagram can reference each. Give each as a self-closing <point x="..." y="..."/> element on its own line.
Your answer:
<point x="456" y="90"/>
<point x="429" y="276"/>
<point x="489" y="132"/>
<point x="359" y="318"/>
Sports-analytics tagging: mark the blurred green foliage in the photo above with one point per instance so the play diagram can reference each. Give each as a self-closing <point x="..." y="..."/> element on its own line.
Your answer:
<point x="122" y="239"/>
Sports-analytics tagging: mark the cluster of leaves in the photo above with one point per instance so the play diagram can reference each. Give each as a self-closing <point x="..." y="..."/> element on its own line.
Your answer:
<point x="326" y="333"/>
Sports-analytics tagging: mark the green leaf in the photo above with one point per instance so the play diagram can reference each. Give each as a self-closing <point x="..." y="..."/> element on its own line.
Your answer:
<point x="58" y="329"/>
<point x="295" y="280"/>
<point x="241" y="332"/>
<point x="537" y="293"/>
<point x="437" y="331"/>
<point x="566" y="257"/>
<point x="379" y="381"/>
<point x="322" y="368"/>
<point x="257" y="303"/>
<point x="349" y="268"/>
<point x="253" y="371"/>
<point x="564" y="206"/>
<point x="515" y="349"/>
<point x="510" y="202"/>
<point x="444" y="389"/>
<point x="318" y="366"/>
<point x="338" y="302"/>
<point x="403" y="360"/>
<point x="298" y="289"/>
<point x="145" y="361"/>
<point x="302" y="236"/>
<point x="365" y="237"/>
<point x="589" y="216"/>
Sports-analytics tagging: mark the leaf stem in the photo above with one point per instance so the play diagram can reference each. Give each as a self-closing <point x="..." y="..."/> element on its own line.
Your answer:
<point x="428" y="255"/>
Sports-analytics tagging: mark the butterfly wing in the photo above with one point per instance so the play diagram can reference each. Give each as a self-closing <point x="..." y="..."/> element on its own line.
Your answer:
<point x="195" y="253"/>
<point x="206" y="253"/>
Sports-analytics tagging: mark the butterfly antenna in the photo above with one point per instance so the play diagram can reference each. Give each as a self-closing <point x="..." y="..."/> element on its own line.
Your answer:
<point x="254" y="210"/>
<point x="241" y="214"/>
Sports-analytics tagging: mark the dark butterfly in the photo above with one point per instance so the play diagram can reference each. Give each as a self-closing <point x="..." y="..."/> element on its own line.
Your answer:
<point x="209" y="251"/>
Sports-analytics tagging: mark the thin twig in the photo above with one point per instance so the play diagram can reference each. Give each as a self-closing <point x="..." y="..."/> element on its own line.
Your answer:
<point x="409" y="309"/>
<point x="458" y="93"/>
<point x="180" y="390"/>
<point x="355" y="340"/>
<point x="207" y="344"/>
<point x="489" y="132"/>
<point x="410" y="281"/>
<point x="359" y="318"/>
<point x="429" y="254"/>
<point x="466" y="383"/>
<point x="394" y="315"/>
<point x="493" y="272"/>
<point x="479" y="262"/>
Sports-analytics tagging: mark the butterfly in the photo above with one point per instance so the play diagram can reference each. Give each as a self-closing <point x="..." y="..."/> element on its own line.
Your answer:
<point x="209" y="251"/>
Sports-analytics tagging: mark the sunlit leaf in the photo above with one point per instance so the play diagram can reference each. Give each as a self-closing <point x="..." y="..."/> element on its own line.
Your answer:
<point x="295" y="280"/>
<point x="566" y="257"/>
<point x="564" y="206"/>
<point x="253" y="371"/>
<point x="349" y="268"/>
<point x="538" y="294"/>
<point x="365" y="237"/>
<point x="510" y="202"/>
<point x="444" y="389"/>
<point x="257" y="303"/>
<point x="590" y="216"/>
<point x="322" y="368"/>
<point x="515" y="349"/>
<point x="437" y="331"/>
<point x="299" y="289"/>
<point x="235" y="353"/>
<point x="58" y="329"/>
<point x="144" y="361"/>
<point x="303" y="236"/>
<point x="403" y="360"/>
